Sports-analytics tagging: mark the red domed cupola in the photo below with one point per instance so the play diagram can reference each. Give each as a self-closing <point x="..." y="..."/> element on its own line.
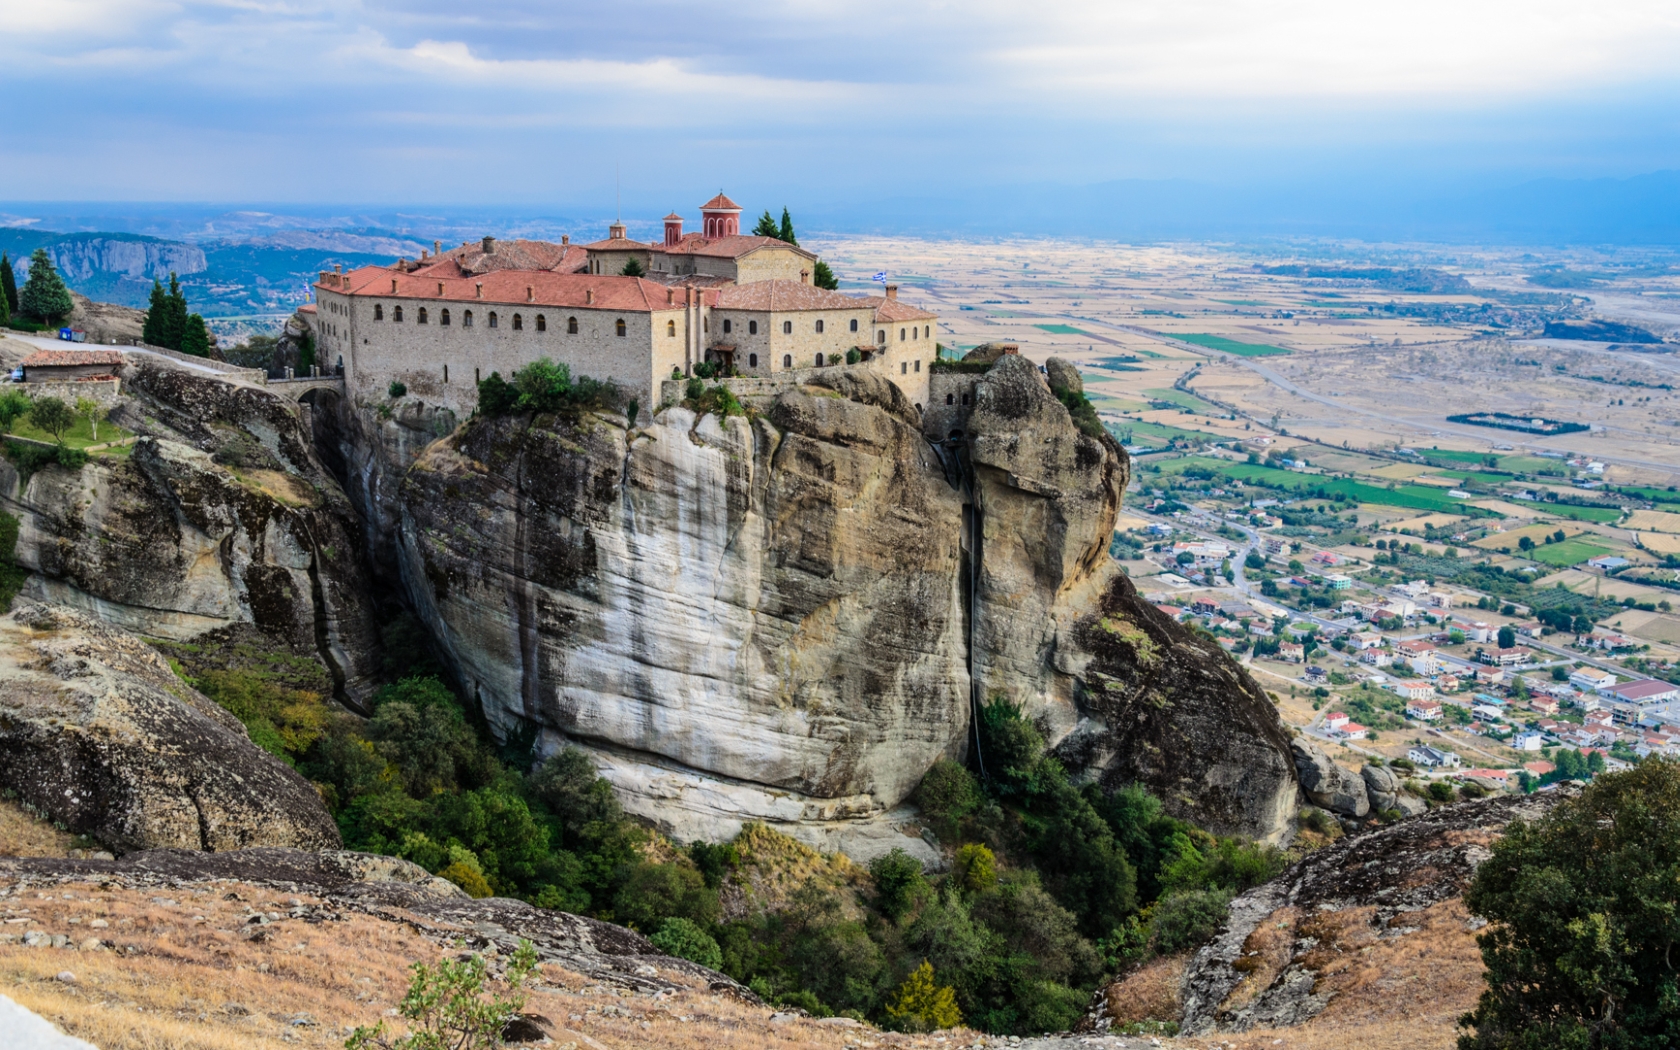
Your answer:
<point x="720" y="217"/>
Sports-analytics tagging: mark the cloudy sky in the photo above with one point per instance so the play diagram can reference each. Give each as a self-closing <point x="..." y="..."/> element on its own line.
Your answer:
<point x="830" y="105"/>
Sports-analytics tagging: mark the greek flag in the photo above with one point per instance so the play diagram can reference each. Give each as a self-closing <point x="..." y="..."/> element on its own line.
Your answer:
<point x="882" y="277"/>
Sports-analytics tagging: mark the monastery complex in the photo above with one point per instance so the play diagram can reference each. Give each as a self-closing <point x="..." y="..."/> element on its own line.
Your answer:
<point x="442" y="322"/>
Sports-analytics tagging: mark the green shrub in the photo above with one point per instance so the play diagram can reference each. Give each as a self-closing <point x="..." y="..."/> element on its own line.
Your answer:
<point x="713" y="860"/>
<point x="655" y="892"/>
<point x="544" y="386"/>
<point x="282" y="721"/>
<point x="449" y="1006"/>
<point x="12" y="575"/>
<point x="899" y="883"/>
<point x="397" y="389"/>
<point x="29" y="457"/>
<point x="682" y="938"/>
<point x="948" y="796"/>
<point x="1187" y="919"/>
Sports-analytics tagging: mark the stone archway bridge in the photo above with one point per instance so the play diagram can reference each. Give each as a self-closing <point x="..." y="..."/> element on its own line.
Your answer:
<point x="292" y="387"/>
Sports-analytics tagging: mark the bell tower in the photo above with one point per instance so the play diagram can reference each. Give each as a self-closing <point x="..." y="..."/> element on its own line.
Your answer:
<point x="720" y="217"/>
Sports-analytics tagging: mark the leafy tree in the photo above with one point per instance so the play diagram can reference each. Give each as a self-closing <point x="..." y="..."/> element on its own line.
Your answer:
<point x="655" y="892"/>
<point x="898" y="883"/>
<point x="44" y="296"/>
<point x="568" y="786"/>
<point x="767" y="226"/>
<point x="1507" y="637"/>
<point x="785" y="231"/>
<point x="1580" y="947"/>
<point x="823" y="277"/>
<point x="633" y="268"/>
<point x="947" y="796"/>
<point x="52" y="415"/>
<point x="448" y="1008"/>
<point x="1525" y="543"/>
<point x="14" y="405"/>
<point x="682" y="938"/>
<point x="920" y="1005"/>
<point x="8" y="284"/>
<point x="87" y="406"/>
<point x="975" y="868"/>
<point x="1185" y="920"/>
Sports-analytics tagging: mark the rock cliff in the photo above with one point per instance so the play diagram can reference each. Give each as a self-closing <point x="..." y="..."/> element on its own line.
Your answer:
<point x="787" y="616"/>
<point x="99" y="733"/>
<point x="222" y="514"/>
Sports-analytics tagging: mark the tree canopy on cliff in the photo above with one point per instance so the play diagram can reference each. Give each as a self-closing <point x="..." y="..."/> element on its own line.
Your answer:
<point x="8" y="283"/>
<point x="169" y="324"/>
<point x="44" y="297"/>
<point x="1585" y="916"/>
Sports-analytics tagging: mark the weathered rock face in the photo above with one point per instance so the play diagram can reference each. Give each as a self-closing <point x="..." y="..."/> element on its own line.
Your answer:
<point x="99" y="733"/>
<point x="745" y="620"/>
<point x="1345" y="912"/>
<point x="1328" y="784"/>
<point x="788" y="619"/>
<point x="221" y="515"/>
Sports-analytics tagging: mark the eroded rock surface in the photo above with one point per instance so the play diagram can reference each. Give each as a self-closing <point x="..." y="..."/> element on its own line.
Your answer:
<point x="97" y="732"/>
<point x="1327" y="784"/>
<point x="1293" y="943"/>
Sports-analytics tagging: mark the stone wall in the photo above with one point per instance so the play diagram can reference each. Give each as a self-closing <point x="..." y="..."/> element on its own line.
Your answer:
<point x="104" y="391"/>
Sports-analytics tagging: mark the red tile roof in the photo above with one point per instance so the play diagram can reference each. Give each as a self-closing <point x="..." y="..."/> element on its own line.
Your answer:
<point x="785" y="295"/>
<point x="507" y="288"/>
<point x="727" y="247"/>
<point x="720" y="202"/>
<point x="897" y="310"/>
<point x="72" y="358"/>
<point x="619" y="244"/>
<point x="673" y="215"/>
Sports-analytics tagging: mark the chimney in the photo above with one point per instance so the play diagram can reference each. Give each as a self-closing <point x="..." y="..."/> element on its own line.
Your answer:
<point x="322" y="279"/>
<point x="589" y="297"/>
<point x="437" y="247"/>
<point x="402" y="263"/>
<point x="393" y="286"/>
<point x="530" y="295"/>
<point x="440" y="289"/>
<point x="489" y="245"/>
<point x="338" y="267"/>
<point x="670" y="297"/>
<point x="892" y="291"/>
<point x="804" y="276"/>
<point x="423" y="254"/>
<point x="479" y="287"/>
<point x="565" y="239"/>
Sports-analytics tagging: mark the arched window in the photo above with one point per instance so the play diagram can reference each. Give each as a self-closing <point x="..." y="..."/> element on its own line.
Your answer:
<point x="492" y="319"/>
<point x="854" y="324"/>
<point x="571" y="326"/>
<point x="378" y="312"/>
<point x="518" y="323"/>
<point x="819" y="361"/>
<point x="396" y="314"/>
<point x="752" y="360"/>
<point x="619" y="326"/>
<point x="819" y="326"/>
<point x="422" y="318"/>
<point x="542" y="323"/>
<point x="443" y="316"/>
<point x="727" y="325"/>
<point x="752" y="327"/>
<point x="927" y="330"/>
<point x="965" y="399"/>
<point x="787" y="327"/>
<point x="950" y="399"/>
<point x="787" y="360"/>
<point x="466" y="319"/>
<point x="901" y="335"/>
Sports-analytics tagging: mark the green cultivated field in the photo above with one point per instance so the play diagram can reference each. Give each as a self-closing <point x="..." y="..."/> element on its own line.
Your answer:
<point x="1155" y="432"/>
<point x="1572" y="551"/>
<point x="1181" y="399"/>
<point x="1411" y="497"/>
<point x="1060" y="329"/>
<point x="1598" y="514"/>
<point x="1231" y="346"/>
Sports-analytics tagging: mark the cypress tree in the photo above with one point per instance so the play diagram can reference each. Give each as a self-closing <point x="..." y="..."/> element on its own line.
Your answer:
<point x="5" y="311"/>
<point x="195" y="338"/>
<point x="8" y="283"/>
<point x="766" y="226"/>
<point x="151" y="332"/>
<point x="174" y="324"/>
<point x="44" y="296"/>
<point x="786" y="231"/>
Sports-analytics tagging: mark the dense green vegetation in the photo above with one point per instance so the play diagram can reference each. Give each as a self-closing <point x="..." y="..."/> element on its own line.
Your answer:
<point x="1054" y="884"/>
<point x="1080" y="408"/>
<point x="543" y="386"/>
<point x="12" y="574"/>
<point x="1580" y="949"/>
<point x="44" y="297"/>
<point x="1317" y="486"/>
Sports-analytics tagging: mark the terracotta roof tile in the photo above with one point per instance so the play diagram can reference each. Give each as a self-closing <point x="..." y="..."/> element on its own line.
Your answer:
<point x="507" y="288"/>
<point x="785" y="295"/>
<point x="897" y="310"/>
<point x="70" y="358"/>
<point x="720" y="202"/>
<point x="726" y="247"/>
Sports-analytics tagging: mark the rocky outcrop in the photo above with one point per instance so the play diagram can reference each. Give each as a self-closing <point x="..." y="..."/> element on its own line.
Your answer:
<point x="387" y="888"/>
<point x="1293" y="945"/>
<point x="1327" y="784"/>
<point x="221" y="515"/>
<point x="97" y="732"/>
<point x="743" y="618"/>
<point x="80" y="256"/>
<point x="1388" y="793"/>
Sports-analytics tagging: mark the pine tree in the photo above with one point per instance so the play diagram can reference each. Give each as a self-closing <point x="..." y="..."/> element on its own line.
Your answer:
<point x="633" y="268"/>
<point x="44" y="296"/>
<point x="8" y="283"/>
<point x="823" y="277"/>
<point x="195" y="338"/>
<point x="766" y="226"/>
<point x="151" y="331"/>
<point x="923" y="1006"/>
<point x="5" y="311"/>
<point x="174" y="315"/>
<point x="786" y="231"/>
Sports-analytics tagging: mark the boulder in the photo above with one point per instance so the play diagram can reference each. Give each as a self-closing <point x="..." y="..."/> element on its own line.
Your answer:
<point x="97" y="732"/>
<point x="1063" y="376"/>
<point x="1328" y="784"/>
<point x="988" y="353"/>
